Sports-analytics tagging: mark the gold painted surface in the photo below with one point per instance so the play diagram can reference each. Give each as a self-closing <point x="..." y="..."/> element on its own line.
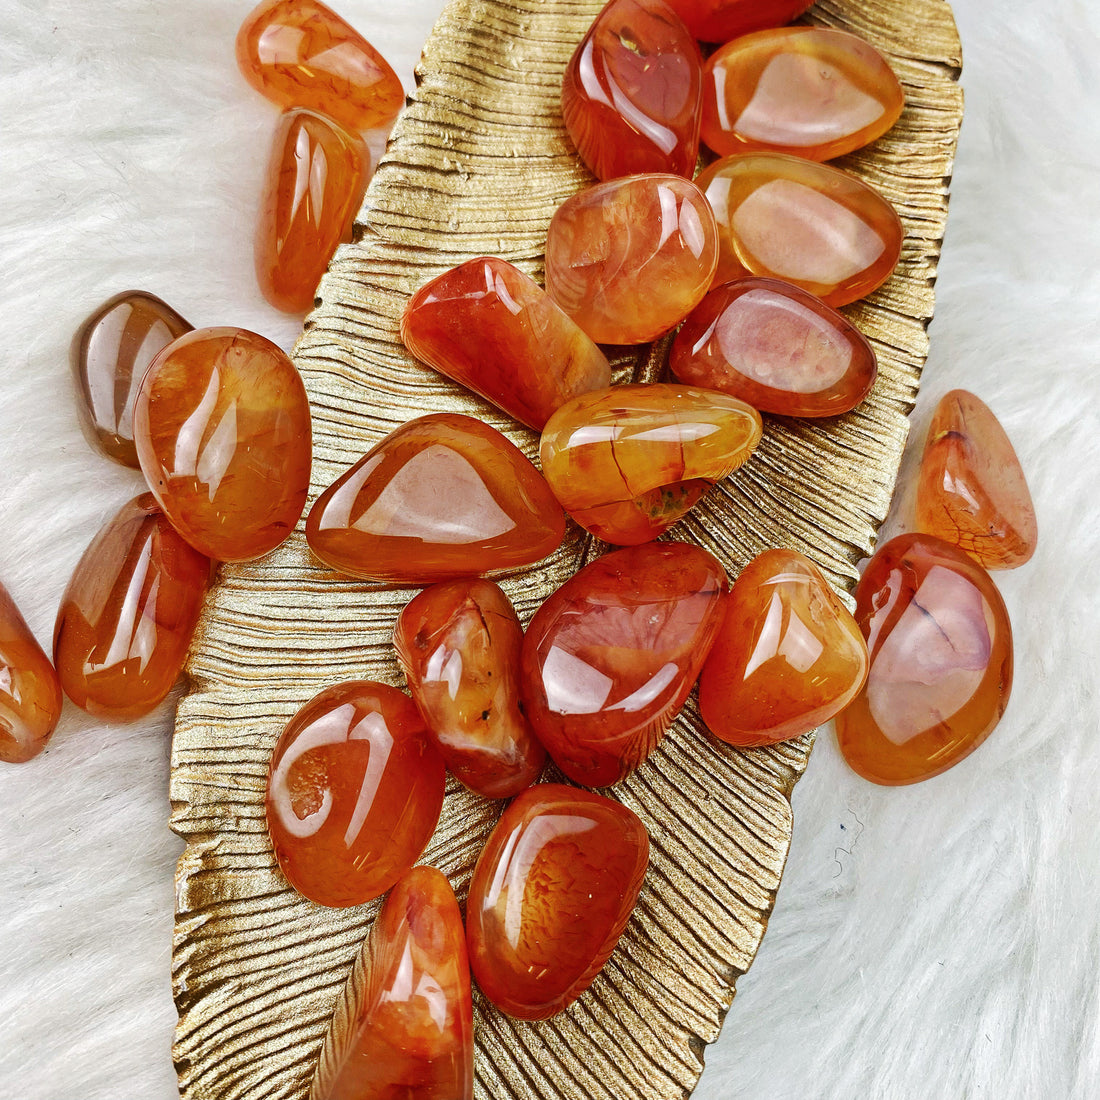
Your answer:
<point x="477" y="165"/>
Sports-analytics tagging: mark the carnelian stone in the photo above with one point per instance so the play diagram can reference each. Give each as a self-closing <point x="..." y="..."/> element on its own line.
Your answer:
<point x="550" y="897"/>
<point x="805" y="90"/>
<point x="497" y="332"/>
<point x="631" y="95"/>
<point x="631" y="258"/>
<point x="223" y="434"/>
<point x="721" y="20"/>
<point x="629" y="461"/>
<point x="315" y="183"/>
<point x="410" y="1030"/>
<point x="807" y="223"/>
<point x="126" y="619"/>
<point x="776" y="347"/>
<point x="354" y="793"/>
<point x="443" y="496"/>
<point x="300" y="53"/>
<point x="789" y="655"/>
<point x="459" y="644"/>
<point x="610" y="657"/>
<point x="971" y="491"/>
<point x="941" y="662"/>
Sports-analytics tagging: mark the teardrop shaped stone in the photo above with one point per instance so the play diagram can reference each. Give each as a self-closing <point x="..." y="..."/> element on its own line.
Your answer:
<point x="721" y="20"/>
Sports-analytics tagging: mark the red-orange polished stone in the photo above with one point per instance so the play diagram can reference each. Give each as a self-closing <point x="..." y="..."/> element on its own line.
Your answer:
<point x="971" y="490"/>
<point x="721" y="20"/>
<point x="127" y="616"/>
<point x="443" y="496"/>
<point x="550" y="897"/>
<point x="776" y="347"/>
<point x="459" y="645"/>
<point x="223" y="434"/>
<point x="411" y="1030"/>
<point x="627" y="462"/>
<point x="941" y="662"/>
<point x="631" y="95"/>
<point x="803" y="222"/>
<point x="354" y="793"/>
<point x="300" y="53"/>
<point x="610" y="657"/>
<point x="631" y="258"/>
<point x="497" y="332"/>
<point x="789" y="655"/>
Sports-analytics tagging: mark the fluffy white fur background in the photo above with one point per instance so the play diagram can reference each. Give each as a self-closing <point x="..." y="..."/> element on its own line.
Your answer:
<point x="929" y="943"/>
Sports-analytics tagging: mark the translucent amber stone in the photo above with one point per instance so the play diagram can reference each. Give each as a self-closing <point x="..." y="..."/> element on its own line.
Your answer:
<point x="971" y="491"/>
<point x="721" y="20"/>
<point x="807" y="223"/>
<point x="631" y="94"/>
<point x="805" y="90"/>
<point x="126" y="619"/>
<point x="443" y="496"/>
<point x="630" y="259"/>
<point x="223" y="434"/>
<point x="941" y="662"/>
<point x="776" y="347"/>
<point x="550" y="897"/>
<point x="354" y="793"/>
<point x="610" y="657"/>
<point x="300" y="53"/>
<point x="628" y="462"/>
<point x="315" y="183"/>
<point x="459" y="644"/>
<point x="789" y="655"/>
<point x="497" y="332"/>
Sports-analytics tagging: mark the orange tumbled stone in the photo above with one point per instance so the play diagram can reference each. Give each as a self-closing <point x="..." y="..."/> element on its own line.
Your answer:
<point x="610" y="657"/>
<point x="300" y="53"/>
<point x="550" y="897"/>
<point x="971" y="491"/>
<point x="407" y="1030"/>
<point x="941" y="662"/>
<point x="443" y="496"/>
<point x="354" y="793"/>
<point x="721" y="20"/>
<point x="223" y="434"/>
<point x="497" y="332"/>
<point x="630" y="259"/>
<point x="128" y="614"/>
<point x="789" y="655"/>
<point x="806" y="223"/>
<point x="627" y="462"/>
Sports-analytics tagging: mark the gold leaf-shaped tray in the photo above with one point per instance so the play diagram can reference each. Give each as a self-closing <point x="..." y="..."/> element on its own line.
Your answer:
<point x="477" y="164"/>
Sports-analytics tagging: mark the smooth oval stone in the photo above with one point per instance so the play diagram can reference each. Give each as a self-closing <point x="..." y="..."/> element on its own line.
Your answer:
<point x="300" y="53"/>
<point x="405" y="1025"/>
<point x="721" y="20"/>
<point x="627" y="462"/>
<point x="806" y="223"/>
<point x="971" y="490"/>
<point x="443" y="496"/>
<point x="459" y="644"/>
<point x="941" y="662"/>
<point x="128" y="614"/>
<point x="789" y="655"/>
<point x="631" y="94"/>
<point x="353" y="794"/>
<point x="630" y="259"/>
<point x="809" y="91"/>
<point x="610" y="657"/>
<point x="223" y="434"/>
<point x="550" y="896"/>
<point x="497" y="332"/>
<point x="777" y="348"/>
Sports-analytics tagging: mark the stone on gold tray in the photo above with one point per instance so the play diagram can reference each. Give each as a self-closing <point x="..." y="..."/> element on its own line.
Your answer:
<point x="721" y="20"/>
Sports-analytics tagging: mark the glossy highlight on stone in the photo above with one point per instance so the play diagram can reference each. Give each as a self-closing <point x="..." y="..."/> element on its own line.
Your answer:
<point x="940" y="645"/>
<point x="550" y="897"/>
<point x="610" y="657"/>
<point x="497" y="332"/>
<point x="354" y="793"/>
<point x="721" y="20"/>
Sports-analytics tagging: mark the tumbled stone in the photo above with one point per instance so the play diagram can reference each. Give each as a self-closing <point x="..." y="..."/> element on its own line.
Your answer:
<point x="721" y="20"/>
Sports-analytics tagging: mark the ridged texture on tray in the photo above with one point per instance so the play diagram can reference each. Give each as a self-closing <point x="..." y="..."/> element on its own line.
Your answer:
<point x="478" y="164"/>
